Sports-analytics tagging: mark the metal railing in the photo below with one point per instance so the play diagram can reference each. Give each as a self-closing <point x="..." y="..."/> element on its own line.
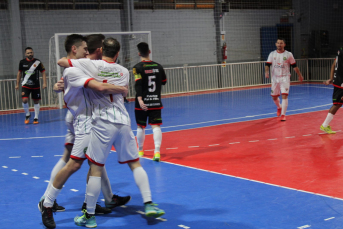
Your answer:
<point x="186" y="79"/>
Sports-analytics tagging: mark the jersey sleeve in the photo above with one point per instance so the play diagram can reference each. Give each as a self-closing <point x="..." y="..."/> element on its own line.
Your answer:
<point x="86" y="65"/>
<point x="291" y="60"/>
<point x="164" y="77"/>
<point x="20" y="66"/>
<point x="41" y="67"/>
<point x="270" y="59"/>
<point x="76" y="77"/>
<point x="138" y="81"/>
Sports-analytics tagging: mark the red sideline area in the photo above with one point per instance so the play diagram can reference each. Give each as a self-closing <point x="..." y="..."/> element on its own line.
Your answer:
<point x="282" y="155"/>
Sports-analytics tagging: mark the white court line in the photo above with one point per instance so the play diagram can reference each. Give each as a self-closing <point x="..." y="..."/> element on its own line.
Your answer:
<point x="214" y="145"/>
<point x="6" y="139"/>
<point x="307" y="135"/>
<point x="5" y="167"/>
<point x="35" y="177"/>
<point x="329" y="218"/>
<point x="14" y="170"/>
<point x="15" y="157"/>
<point x="58" y="155"/>
<point x="25" y="174"/>
<point x="193" y="146"/>
<point x="255" y="141"/>
<point x="234" y="142"/>
<point x="290" y="137"/>
<point x="172" y="148"/>
<point x="256" y="181"/>
<point x="305" y="226"/>
<point x="36" y="156"/>
<point x="74" y="190"/>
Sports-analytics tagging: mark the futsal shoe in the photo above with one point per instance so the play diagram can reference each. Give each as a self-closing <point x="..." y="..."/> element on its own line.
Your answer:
<point x="327" y="129"/>
<point x="47" y="217"/>
<point x="98" y="209"/>
<point x="84" y="221"/>
<point x="157" y="156"/>
<point x="27" y="119"/>
<point x="283" y="118"/>
<point x="141" y="153"/>
<point x="57" y="208"/>
<point x="117" y="201"/>
<point x="278" y="112"/>
<point x="152" y="211"/>
<point x="35" y="121"/>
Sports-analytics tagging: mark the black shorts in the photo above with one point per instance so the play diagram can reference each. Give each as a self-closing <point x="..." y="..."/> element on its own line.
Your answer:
<point x="25" y="93"/>
<point x="155" y="117"/>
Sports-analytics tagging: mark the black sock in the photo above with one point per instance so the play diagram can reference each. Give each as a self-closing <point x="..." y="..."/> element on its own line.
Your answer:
<point x="89" y="215"/>
<point x="149" y="202"/>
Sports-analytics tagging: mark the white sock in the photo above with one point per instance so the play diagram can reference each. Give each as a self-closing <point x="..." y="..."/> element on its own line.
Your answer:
<point x="277" y="102"/>
<point x="85" y="201"/>
<point x="36" y="107"/>
<point x="142" y="181"/>
<point x="59" y="165"/>
<point x="93" y="192"/>
<point x="157" y="138"/>
<point x="140" y="138"/>
<point x="51" y="196"/>
<point x="328" y="119"/>
<point x="26" y="108"/>
<point x="284" y="106"/>
<point x="106" y="186"/>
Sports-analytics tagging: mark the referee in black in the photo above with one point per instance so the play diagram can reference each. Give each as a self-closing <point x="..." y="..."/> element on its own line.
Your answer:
<point x="29" y="69"/>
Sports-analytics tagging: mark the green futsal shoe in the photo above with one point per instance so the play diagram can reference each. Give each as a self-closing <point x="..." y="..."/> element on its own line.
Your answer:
<point x="84" y="221"/>
<point x="157" y="156"/>
<point x="152" y="211"/>
<point x="327" y="129"/>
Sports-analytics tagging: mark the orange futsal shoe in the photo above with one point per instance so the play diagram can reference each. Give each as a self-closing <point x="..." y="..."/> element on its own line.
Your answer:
<point x="35" y="121"/>
<point x="278" y="112"/>
<point x="283" y="118"/>
<point x="27" y="119"/>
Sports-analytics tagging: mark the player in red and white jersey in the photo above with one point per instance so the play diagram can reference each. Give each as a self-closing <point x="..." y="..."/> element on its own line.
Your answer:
<point x="280" y="61"/>
<point x="111" y="126"/>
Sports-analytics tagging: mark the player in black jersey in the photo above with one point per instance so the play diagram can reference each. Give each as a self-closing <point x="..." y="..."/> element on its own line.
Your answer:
<point x="336" y="78"/>
<point x="149" y="78"/>
<point x="29" y="69"/>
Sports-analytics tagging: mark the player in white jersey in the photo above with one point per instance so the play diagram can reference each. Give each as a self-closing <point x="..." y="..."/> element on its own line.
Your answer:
<point x="280" y="61"/>
<point x="77" y="100"/>
<point x="111" y="126"/>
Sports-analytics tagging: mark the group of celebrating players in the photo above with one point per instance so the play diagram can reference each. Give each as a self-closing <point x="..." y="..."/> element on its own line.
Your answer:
<point x="94" y="87"/>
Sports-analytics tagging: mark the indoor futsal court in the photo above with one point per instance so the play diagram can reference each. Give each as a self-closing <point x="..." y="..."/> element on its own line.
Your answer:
<point x="227" y="162"/>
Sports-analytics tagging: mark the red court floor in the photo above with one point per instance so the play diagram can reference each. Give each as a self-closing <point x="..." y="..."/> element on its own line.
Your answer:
<point x="294" y="153"/>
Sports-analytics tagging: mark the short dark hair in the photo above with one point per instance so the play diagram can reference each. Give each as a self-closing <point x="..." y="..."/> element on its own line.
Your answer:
<point x="28" y="48"/>
<point x="282" y="39"/>
<point x="94" y="41"/>
<point x="73" y="39"/>
<point x="110" y="47"/>
<point x="143" y="49"/>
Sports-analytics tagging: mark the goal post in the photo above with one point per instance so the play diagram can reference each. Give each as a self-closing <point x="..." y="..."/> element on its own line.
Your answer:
<point x="127" y="56"/>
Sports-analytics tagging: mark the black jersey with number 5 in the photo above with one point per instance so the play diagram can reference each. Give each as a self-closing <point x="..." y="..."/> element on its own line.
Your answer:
<point x="338" y="76"/>
<point x="149" y="78"/>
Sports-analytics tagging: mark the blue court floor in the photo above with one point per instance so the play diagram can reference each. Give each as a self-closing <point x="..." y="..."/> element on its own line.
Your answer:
<point x="192" y="198"/>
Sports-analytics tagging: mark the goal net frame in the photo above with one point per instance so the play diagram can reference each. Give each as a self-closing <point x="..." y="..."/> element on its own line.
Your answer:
<point x="58" y="56"/>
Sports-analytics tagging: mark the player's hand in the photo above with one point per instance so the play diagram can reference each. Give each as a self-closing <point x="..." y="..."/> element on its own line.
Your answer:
<point x="16" y="87"/>
<point x="301" y="78"/>
<point x="44" y="85"/>
<point x="59" y="85"/>
<point x="327" y="82"/>
<point x="142" y="105"/>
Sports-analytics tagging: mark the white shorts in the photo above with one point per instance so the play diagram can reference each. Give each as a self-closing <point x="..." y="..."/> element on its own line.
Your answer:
<point x="103" y="135"/>
<point x="280" y="85"/>
<point x="80" y="146"/>
<point x="70" y="136"/>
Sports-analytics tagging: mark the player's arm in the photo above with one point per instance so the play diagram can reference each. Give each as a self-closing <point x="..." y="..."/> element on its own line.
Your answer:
<point x="44" y="79"/>
<point x="139" y="89"/>
<point x="266" y="70"/>
<point x="63" y="62"/>
<point x="332" y="73"/>
<point x="164" y="77"/>
<point x="301" y="78"/>
<point x="18" y="80"/>
<point x="106" y="88"/>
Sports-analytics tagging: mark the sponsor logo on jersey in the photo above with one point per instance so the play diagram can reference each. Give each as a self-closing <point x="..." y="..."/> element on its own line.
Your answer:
<point x="138" y="76"/>
<point x="149" y="65"/>
<point x="151" y="71"/>
<point x="134" y="71"/>
<point x="25" y="65"/>
<point x="284" y="58"/>
<point x="110" y="74"/>
<point x="34" y="65"/>
<point x="279" y="65"/>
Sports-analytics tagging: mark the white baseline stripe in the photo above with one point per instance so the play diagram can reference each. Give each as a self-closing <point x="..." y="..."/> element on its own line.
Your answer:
<point x="7" y="139"/>
<point x="242" y="178"/>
